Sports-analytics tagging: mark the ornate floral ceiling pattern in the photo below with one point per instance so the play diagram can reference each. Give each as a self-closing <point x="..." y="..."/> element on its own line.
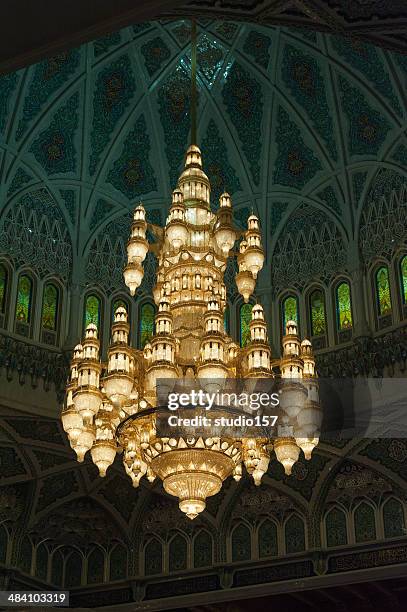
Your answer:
<point x="288" y="118"/>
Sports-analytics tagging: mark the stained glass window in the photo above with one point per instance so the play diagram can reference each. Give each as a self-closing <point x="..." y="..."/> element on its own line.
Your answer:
<point x="241" y="543"/>
<point x="335" y="523"/>
<point x="92" y="311"/>
<point x="226" y="319"/>
<point x="24" y="299"/>
<point x="268" y="539"/>
<point x="290" y="310"/>
<point x="26" y="551"/>
<point x="96" y="566"/>
<point x="116" y="304"/>
<point x="49" y="307"/>
<point x="73" y="570"/>
<point x="383" y="291"/>
<point x="118" y="563"/>
<point x="57" y="568"/>
<point x="146" y="327"/>
<point x="294" y="534"/>
<point x="3" y="288"/>
<point x="317" y="304"/>
<point x="403" y="279"/>
<point x="203" y="549"/>
<point x="245" y="318"/>
<point x="343" y="307"/>
<point x="365" y="526"/>
<point x="153" y="558"/>
<point x="177" y="558"/>
<point x="3" y="544"/>
<point x="41" y="562"/>
<point x="393" y="518"/>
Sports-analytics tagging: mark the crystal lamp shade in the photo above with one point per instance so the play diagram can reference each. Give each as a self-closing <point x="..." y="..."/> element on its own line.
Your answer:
<point x="133" y="275"/>
<point x="246" y="283"/>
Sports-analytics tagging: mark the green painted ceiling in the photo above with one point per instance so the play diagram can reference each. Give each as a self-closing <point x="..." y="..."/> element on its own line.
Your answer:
<point x="288" y="119"/>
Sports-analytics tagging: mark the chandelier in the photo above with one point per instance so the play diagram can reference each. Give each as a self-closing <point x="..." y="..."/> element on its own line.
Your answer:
<point x="111" y="406"/>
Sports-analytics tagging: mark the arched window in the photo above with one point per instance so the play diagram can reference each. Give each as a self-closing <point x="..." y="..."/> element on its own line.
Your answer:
<point x="226" y="319"/>
<point x="383" y="296"/>
<point x="25" y="557"/>
<point x="3" y="543"/>
<point x="365" y="526"/>
<point x="153" y="558"/>
<point x="177" y="554"/>
<point x="92" y="312"/>
<point x="49" y="314"/>
<point x="3" y="294"/>
<point x="335" y="528"/>
<point x="73" y="570"/>
<point x="203" y="545"/>
<point x="317" y="306"/>
<point x="96" y="566"/>
<point x="146" y="325"/>
<point x="393" y="518"/>
<point x="268" y="546"/>
<point x="41" y="562"/>
<point x="289" y="311"/>
<point x="24" y="305"/>
<point x="317" y="318"/>
<point x="118" y="563"/>
<point x="245" y="318"/>
<point x="343" y="307"/>
<point x="241" y="543"/>
<point x="57" y="572"/>
<point x="294" y="534"/>
<point x="117" y="303"/>
<point x="403" y="284"/>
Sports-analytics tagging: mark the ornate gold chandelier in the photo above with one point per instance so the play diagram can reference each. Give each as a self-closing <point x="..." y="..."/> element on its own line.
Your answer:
<point x="111" y="407"/>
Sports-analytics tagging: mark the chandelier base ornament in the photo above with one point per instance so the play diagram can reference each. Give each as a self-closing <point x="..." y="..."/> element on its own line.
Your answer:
<point x="111" y="407"/>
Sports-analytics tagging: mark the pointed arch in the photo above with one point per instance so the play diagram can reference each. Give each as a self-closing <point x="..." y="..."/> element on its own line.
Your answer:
<point x="41" y="561"/>
<point x="50" y="313"/>
<point x="177" y="553"/>
<point x="57" y="567"/>
<point x="241" y="543"/>
<point x="317" y="317"/>
<point x="383" y="297"/>
<point x="24" y="312"/>
<point x="146" y="323"/>
<point x="393" y="518"/>
<point x="343" y="310"/>
<point x="289" y="311"/>
<point x="96" y="566"/>
<point x="73" y="568"/>
<point x="203" y="549"/>
<point x="336" y="532"/>
<point x="5" y="283"/>
<point x="92" y="311"/>
<point x="294" y="534"/>
<point x="267" y="539"/>
<point x="25" y="555"/>
<point x="364" y="523"/>
<point x="3" y="543"/>
<point x="153" y="557"/>
<point x="118" y="563"/>
<point x="402" y="273"/>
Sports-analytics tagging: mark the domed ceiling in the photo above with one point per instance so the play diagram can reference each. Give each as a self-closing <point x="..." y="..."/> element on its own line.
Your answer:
<point x="289" y="120"/>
